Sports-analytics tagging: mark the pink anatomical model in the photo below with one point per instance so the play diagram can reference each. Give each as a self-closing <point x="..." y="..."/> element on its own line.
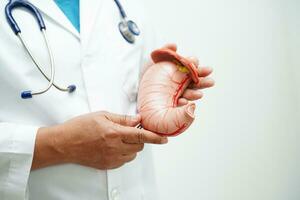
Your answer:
<point x="160" y="88"/>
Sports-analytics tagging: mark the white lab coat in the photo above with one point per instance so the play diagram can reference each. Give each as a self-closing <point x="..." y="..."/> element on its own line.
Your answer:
<point x="105" y="69"/>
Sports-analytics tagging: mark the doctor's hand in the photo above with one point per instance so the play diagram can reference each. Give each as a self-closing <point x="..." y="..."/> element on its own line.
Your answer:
<point x="100" y="140"/>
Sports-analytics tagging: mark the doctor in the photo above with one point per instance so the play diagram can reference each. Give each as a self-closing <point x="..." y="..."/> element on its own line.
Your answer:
<point x="69" y="146"/>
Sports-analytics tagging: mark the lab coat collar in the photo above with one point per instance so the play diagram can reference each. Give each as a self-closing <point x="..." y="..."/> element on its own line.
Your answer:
<point x="49" y="8"/>
<point x="89" y="10"/>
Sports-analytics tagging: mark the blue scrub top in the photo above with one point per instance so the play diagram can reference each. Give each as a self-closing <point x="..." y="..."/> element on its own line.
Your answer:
<point x="71" y="9"/>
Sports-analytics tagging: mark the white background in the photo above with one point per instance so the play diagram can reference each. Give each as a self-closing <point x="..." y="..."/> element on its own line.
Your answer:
<point x="245" y="142"/>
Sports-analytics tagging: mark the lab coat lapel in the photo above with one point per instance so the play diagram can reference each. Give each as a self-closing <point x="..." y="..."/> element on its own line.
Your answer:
<point x="89" y="11"/>
<point x="49" y="8"/>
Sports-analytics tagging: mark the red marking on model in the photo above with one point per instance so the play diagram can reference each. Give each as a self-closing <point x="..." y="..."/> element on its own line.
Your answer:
<point x="177" y="132"/>
<point x="178" y="91"/>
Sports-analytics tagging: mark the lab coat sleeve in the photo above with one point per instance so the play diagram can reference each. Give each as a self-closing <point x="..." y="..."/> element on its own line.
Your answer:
<point x="16" y="153"/>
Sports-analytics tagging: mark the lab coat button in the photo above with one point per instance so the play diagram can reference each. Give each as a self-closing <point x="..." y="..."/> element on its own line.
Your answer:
<point x="115" y="194"/>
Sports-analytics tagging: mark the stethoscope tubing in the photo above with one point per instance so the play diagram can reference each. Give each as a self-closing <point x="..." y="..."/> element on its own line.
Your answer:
<point x="36" y="63"/>
<point x="128" y="30"/>
<point x="52" y="68"/>
<point x="121" y="9"/>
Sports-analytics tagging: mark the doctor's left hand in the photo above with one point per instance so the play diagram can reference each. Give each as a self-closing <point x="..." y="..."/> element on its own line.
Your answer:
<point x="194" y="91"/>
<point x="101" y="140"/>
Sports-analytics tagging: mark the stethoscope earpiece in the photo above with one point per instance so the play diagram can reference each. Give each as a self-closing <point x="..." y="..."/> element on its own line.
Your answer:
<point x="71" y="88"/>
<point x="26" y="94"/>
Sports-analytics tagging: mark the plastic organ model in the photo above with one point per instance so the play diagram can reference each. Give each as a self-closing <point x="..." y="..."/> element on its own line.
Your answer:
<point x="160" y="88"/>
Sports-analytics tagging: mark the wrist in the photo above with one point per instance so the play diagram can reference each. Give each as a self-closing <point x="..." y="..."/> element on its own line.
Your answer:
<point x="49" y="147"/>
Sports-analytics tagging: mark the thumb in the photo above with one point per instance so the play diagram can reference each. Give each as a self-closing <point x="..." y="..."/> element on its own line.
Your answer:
<point x="124" y="120"/>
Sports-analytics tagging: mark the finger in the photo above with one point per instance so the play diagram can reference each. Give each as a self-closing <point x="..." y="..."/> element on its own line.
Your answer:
<point x="132" y="148"/>
<point x="182" y="101"/>
<point x="191" y="94"/>
<point x="171" y="46"/>
<point x="194" y="60"/>
<point x="138" y="136"/>
<point x="204" y="71"/>
<point x="116" y="165"/>
<point x="203" y="83"/>
<point x="128" y="158"/>
<point x="124" y="120"/>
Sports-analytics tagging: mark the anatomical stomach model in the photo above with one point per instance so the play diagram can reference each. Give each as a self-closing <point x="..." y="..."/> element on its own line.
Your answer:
<point x="161" y="86"/>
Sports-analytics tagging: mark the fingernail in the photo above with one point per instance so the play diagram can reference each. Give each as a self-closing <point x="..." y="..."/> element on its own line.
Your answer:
<point x="199" y="93"/>
<point x="210" y="81"/>
<point x="164" y="140"/>
<point x="210" y="68"/>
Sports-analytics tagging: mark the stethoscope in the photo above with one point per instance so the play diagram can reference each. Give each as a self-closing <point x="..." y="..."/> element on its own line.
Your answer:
<point x="128" y="29"/>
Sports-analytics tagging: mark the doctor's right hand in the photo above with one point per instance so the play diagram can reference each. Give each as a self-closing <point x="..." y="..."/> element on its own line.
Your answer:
<point x="100" y="140"/>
